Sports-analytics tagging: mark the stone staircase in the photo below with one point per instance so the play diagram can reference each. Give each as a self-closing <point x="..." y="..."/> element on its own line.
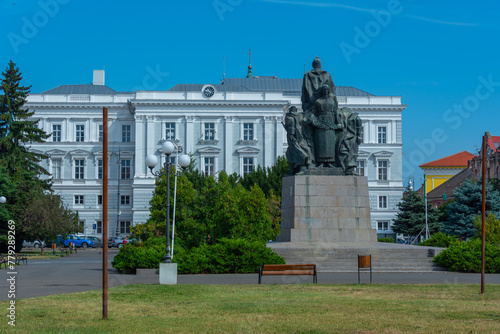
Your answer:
<point x="343" y="257"/>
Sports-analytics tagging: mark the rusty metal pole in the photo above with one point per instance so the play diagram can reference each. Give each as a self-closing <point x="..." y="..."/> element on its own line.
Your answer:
<point x="483" y="215"/>
<point x="105" y="214"/>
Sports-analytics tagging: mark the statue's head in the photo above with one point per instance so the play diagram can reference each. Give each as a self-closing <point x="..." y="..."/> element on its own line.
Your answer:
<point x="316" y="62"/>
<point x="325" y="90"/>
<point x="292" y="109"/>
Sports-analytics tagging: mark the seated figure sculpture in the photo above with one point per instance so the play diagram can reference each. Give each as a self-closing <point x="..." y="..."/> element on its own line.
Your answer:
<point x="322" y="139"/>
<point x="298" y="152"/>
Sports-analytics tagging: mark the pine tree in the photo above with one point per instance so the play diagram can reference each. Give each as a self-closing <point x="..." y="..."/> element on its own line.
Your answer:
<point x="17" y="130"/>
<point x="467" y="204"/>
<point x="411" y="218"/>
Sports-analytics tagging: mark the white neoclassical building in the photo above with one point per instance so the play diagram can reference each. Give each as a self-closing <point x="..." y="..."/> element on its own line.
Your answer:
<point x="232" y="126"/>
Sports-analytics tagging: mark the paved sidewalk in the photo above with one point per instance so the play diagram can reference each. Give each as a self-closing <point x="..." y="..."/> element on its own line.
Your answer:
<point x="83" y="272"/>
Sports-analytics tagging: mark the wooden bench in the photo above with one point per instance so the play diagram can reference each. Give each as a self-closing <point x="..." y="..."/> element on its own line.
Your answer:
<point x="4" y="261"/>
<point x="21" y="259"/>
<point x="288" y="269"/>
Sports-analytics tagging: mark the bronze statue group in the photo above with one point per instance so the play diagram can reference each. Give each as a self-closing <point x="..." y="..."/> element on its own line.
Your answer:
<point x="323" y="138"/>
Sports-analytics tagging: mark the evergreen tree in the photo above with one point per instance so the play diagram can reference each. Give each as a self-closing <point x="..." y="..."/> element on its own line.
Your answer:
<point x="268" y="179"/>
<point x="20" y="169"/>
<point x="17" y="130"/>
<point x="467" y="204"/>
<point x="411" y="218"/>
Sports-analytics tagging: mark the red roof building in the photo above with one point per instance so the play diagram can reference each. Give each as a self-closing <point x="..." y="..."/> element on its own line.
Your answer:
<point x="439" y="171"/>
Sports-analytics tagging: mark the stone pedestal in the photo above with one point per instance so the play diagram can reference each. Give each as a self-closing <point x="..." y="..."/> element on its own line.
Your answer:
<point x="330" y="209"/>
<point x="168" y="273"/>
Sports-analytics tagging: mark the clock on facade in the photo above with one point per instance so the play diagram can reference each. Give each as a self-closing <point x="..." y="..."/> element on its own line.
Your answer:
<point x="208" y="90"/>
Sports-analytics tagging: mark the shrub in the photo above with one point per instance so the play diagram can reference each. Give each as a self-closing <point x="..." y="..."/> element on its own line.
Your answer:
<point x="492" y="228"/>
<point x="386" y="239"/>
<point x="439" y="240"/>
<point x="227" y="256"/>
<point x="146" y="255"/>
<point x="466" y="257"/>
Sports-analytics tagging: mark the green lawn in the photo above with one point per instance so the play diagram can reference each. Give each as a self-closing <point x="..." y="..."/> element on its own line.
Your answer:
<point x="300" y="308"/>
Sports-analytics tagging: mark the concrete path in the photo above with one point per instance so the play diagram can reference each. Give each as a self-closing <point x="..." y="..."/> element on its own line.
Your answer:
<point x="83" y="272"/>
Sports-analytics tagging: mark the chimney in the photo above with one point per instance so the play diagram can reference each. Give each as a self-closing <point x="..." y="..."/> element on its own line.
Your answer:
<point x="98" y="78"/>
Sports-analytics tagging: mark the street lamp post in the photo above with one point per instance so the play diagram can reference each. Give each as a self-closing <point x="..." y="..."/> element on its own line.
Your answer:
<point x="151" y="160"/>
<point x="427" y="236"/>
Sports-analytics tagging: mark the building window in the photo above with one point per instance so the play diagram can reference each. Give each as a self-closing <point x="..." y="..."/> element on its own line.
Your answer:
<point x="56" y="169"/>
<point x="80" y="133"/>
<point x="170" y="131"/>
<point x="101" y="133"/>
<point x="173" y="159"/>
<point x="126" y="133"/>
<point x="99" y="199"/>
<point x="78" y="199"/>
<point x="361" y="167"/>
<point x="79" y="169"/>
<point x="209" y="133"/>
<point x="99" y="169"/>
<point x="56" y="132"/>
<point x="125" y="199"/>
<point x="382" y="135"/>
<point x="248" y="133"/>
<point x="382" y="226"/>
<point x="382" y="202"/>
<point x="362" y="134"/>
<point x="124" y="227"/>
<point x="209" y="166"/>
<point x="248" y="165"/>
<point x="99" y="226"/>
<point x="125" y="169"/>
<point x="382" y="170"/>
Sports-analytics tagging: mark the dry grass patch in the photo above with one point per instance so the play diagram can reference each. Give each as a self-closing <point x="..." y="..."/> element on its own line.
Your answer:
<point x="266" y="309"/>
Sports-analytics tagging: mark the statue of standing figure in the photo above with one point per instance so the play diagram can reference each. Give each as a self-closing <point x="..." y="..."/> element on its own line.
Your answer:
<point x="323" y="139"/>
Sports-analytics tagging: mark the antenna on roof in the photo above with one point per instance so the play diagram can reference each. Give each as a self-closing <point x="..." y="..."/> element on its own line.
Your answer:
<point x="249" y="74"/>
<point x="224" y="68"/>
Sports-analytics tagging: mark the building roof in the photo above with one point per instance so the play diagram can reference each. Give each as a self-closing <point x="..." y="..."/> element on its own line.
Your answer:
<point x="449" y="186"/>
<point x="455" y="160"/>
<point x="266" y="84"/>
<point x="262" y="84"/>
<point x="494" y="143"/>
<point x="81" y="89"/>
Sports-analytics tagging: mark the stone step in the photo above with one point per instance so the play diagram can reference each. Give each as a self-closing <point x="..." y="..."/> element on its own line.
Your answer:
<point x="344" y="257"/>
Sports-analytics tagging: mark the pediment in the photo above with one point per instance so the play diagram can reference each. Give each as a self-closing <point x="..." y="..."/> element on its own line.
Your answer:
<point x="363" y="154"/>
<point x="248" y="150"/>
<point x="209" y="150"/>
<point x="99" y="154"/>
<point x="125" y="154"/>
<point x="79" y="153"/>
<point x="383" y="154"/>
<point x="37" y="151"/>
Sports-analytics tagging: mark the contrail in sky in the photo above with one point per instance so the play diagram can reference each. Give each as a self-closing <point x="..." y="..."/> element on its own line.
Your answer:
<point x="359" y="9"/>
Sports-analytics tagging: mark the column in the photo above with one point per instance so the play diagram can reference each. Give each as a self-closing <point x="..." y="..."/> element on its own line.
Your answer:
<point x="228" y="144"/>
<point x="189" y="135"/>
<point x="268" y="147"/>
<point x="140" y="148"/>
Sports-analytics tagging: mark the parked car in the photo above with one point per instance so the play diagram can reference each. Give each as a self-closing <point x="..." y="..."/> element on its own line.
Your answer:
<point x="97" y="242"/>
<point x="78" y="241"/>
<point x="119" y="241"/>
<point x="33" y="244"/>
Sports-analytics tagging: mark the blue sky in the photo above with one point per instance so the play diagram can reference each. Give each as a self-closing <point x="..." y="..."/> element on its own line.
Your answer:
<point x="442" y="57"/>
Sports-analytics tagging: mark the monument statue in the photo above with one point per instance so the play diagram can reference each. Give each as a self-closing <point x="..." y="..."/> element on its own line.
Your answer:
<point x="298" y="153"/>
<point x="322" y="139"/>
